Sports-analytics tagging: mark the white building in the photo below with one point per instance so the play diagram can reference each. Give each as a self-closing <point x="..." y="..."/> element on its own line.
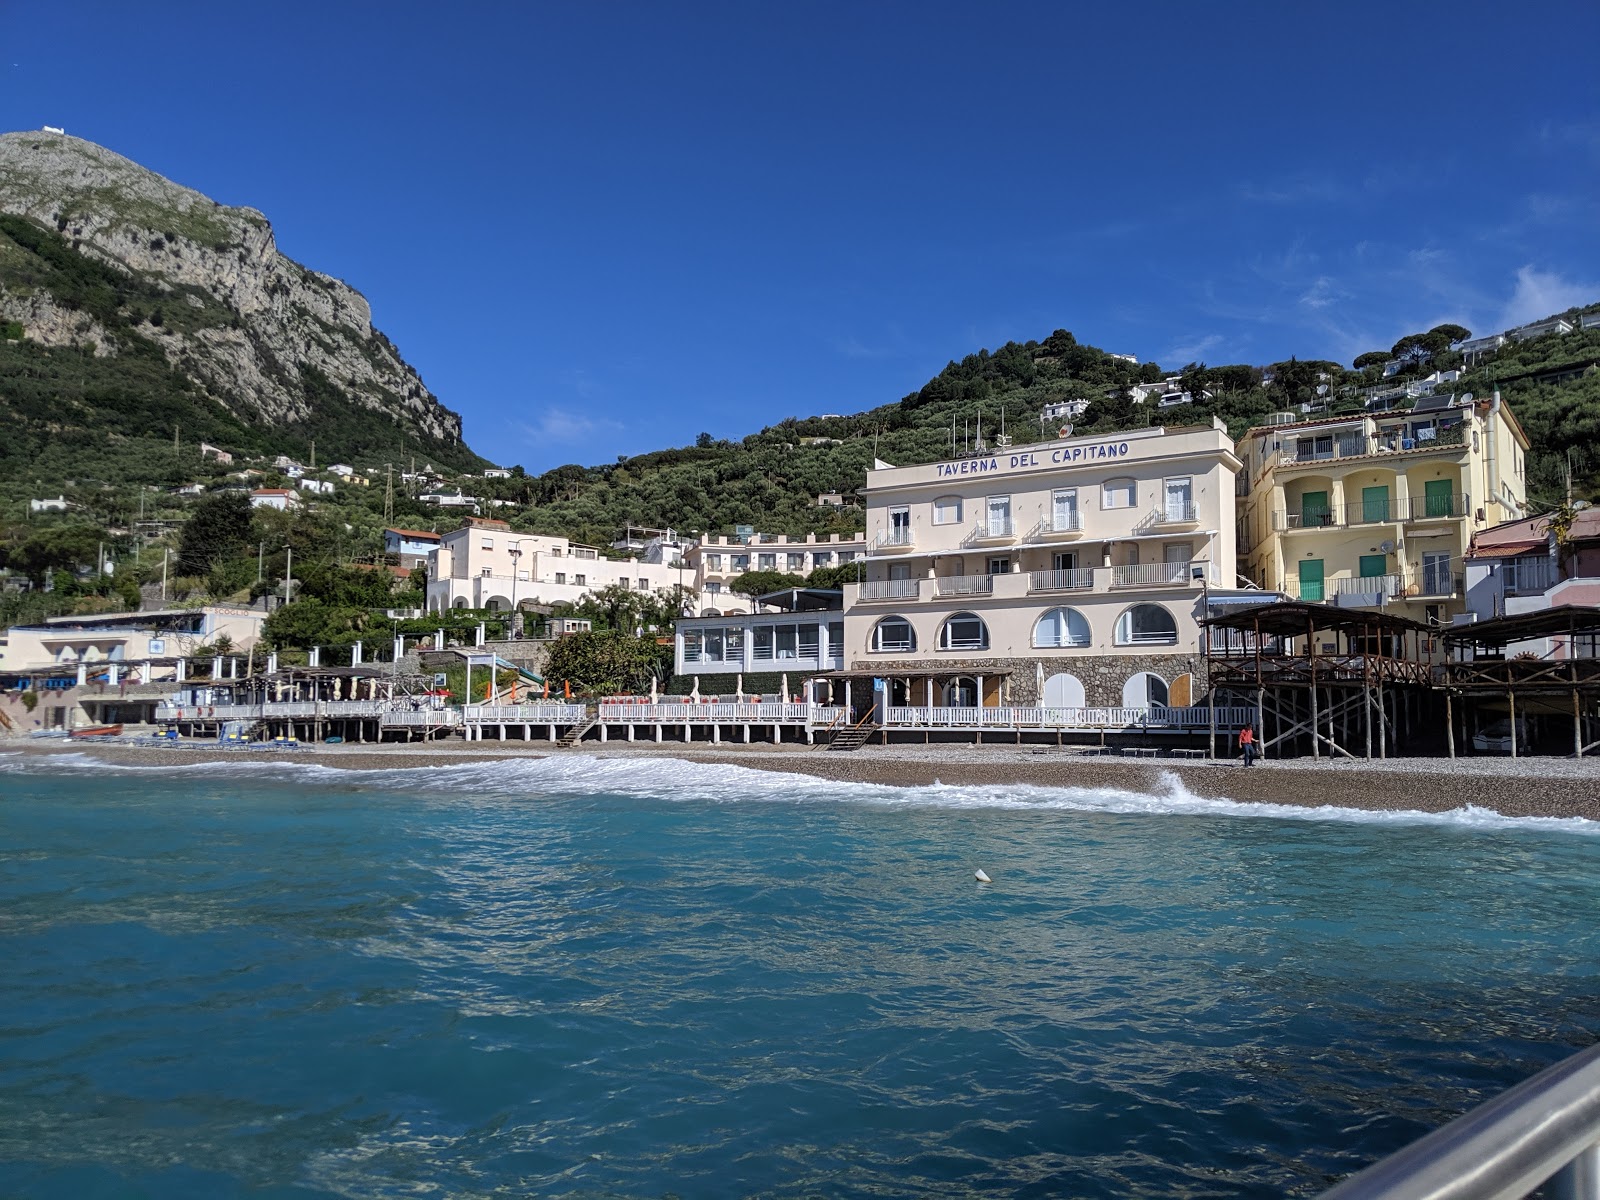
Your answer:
<point x="718" y="560"/>
<point x="279" y="498"/>
<point x="1068" y="573"/>
<point x="126" y="638"/>
<point x="484" y="564"/>
<point x="798" y="631"/>
<point x="1551" y="325"/>
<point x="59" y="504"/>
<point x="449" y="500"/>
<point x="1064" y="410"/>
<point x="320" y="487"/>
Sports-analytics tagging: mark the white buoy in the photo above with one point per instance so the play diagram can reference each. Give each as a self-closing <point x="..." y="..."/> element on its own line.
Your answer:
<point x="981" y="877"/>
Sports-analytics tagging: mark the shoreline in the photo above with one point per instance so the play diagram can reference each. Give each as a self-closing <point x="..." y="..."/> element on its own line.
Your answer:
<point x="1510" y="787"/>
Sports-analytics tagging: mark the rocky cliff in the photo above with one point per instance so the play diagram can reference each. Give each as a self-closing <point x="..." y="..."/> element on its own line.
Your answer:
<point x="270" y="341"/>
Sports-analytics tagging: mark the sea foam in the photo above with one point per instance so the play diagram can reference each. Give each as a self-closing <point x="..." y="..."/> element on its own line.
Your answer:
<point x="673" y="779"/>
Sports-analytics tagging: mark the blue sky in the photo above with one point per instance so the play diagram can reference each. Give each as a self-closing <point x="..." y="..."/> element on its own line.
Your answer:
<point x="602" y="228"/>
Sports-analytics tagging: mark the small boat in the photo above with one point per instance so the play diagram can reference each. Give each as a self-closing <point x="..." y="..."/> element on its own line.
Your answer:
<point x="89" y="731"/>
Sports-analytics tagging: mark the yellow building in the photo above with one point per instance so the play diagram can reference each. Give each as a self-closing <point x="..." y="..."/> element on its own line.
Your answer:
<point x="1379" y="509"/>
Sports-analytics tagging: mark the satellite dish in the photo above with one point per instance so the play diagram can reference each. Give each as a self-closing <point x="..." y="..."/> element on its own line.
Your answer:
<point x="1066" y="431"/>
<point x="1386" y="547"/>
<point x="1466" y="397"/>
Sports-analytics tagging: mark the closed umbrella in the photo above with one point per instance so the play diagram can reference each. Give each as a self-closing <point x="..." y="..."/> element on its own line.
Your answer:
<point x="783" y="687"/>
<point x="738" y="687"/>
<point x="652" y="689"/>
<point x="1038" y="678"/>
<point x="694" y="692"/>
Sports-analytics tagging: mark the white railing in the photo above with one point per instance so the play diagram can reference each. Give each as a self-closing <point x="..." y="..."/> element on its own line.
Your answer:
<point x="1162" y="574"/>
<point x="964" y="585"/>
<point x="1177" y="514"/>
<point x="899" y="538"/>
<point x="431" y="717"/>
<point x="271" y="710"/>
<point x="525" y="714"/>
<point x="1078" y="579"/>
<point x="1069" y="523"/>
<point x="889" y="589"/>
<point x="990" y="531"/>
<point x="1030" y="717"/>
<point x="765" y="712"/>
<point x="1387" y="586"/>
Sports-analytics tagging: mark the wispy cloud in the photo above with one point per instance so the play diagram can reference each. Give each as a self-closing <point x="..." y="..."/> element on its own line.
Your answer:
<point x="1323" y="292"/>
<point x="1544" y="293"/>
<point x="565" y="426"/>
<point x="1192" y="351"/>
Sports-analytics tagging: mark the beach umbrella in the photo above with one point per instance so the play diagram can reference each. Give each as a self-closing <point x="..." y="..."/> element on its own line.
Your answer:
<point x="566" y="688"/>
<point x="783" y="687"/>
<point x="652" y="689"/>
<point x="1038" y="679"/>
<point x="547" y="689"/>
<point x="738" y="687"/>
<point x="694" y="692"/>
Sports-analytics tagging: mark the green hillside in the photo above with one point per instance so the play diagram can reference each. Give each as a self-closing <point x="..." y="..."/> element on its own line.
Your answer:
<point x="771" y="479"/>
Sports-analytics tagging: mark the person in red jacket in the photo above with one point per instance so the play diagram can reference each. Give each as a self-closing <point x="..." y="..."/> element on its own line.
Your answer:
<point x="1247" y="744"/>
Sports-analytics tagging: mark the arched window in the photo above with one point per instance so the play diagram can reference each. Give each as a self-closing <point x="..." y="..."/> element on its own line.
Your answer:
<point x="893" y="635"/>
<point x="1062" y="691"/>
<point x="964" y="631"/>
<point x="1119" y="493"/>
<point x="460" y="602"/>
<point x="1144" y="690"/>
<point x="1061" y="627"/>
<point x="1146" y="625"/>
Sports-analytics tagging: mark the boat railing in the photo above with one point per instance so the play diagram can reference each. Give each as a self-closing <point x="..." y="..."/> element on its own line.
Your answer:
<point x="1546" y="1128"/>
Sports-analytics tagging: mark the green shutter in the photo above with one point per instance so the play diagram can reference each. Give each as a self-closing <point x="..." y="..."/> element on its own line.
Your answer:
<point x="1373" y="565"/>
<point x="1314" y="510"/>
<point x="1311" y="579"/>
<point x="1438" y="498"/>
<point x="1375" y="504"/>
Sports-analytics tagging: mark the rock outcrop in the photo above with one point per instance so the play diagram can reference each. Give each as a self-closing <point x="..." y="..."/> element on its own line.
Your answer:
<point x="254" y="330"/>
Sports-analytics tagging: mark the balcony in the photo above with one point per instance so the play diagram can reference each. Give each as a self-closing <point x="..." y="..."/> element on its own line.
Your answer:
<point x="889" y="589"/>
<point x="1078" y="580"/>
<point x="892" y="541"/>
<point x="993" y="532"/>
<point x="1067" y="525"/>
<point x="965" y="585"/>
<point x="1162" y="574"/>
<point x="1438" y="508"/>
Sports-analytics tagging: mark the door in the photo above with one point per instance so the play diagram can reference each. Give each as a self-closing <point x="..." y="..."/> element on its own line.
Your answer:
<point x="899" y="523"/>
<point x="1438" y="498"/>
<point x="999" y="566"/>
<point x="1314" y="509"/>
<point x="1065" y="511"/>
<point x="1311" y="579"/>
<point x="1436" y="575"/>
<point x="1375" y="504"/>
<point x="1175" y="559"/>
<point x="1063" y="691"/>
<point x="1180" y="500"/>
<point x="1066" y="560"/>
<point x="999" y="508"/>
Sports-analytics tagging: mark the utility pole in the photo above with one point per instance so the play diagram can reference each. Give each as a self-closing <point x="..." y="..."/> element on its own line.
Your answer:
<point x="313" y="454"/>
<point x="261" y="554"/>
<point x="288" y="574"/>
<point x="164" y="552"/>
<point x="175" y="438"/>
<point x="388" y="493"/>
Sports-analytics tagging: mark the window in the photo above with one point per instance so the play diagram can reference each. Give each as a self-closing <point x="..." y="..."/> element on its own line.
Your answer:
<point x="1060" y="628"/>
<point x="1146" y="625"/>
<point x="767" y="562"/>
<point x="900" y="519"/>
<point x="999" y="566"/>
<point x="692" y="645"/>
<point x="893" y="635"/>
<point x="964" y="631"/>
<point x="1118" y="493"/>
<point x="581" y="580"/>
<point x="822" y="558"/>
<point x="797" y="562"/>
<point x="713" y="587"/>
<point x="644" y="585"/>
<point x="1180" y="499"/>
<point x="523" y="576"/>
<point x="998" y="510"/>
<point x="846" y="556"/>
<point x="713" y="562"/>
<point x="1064" y="510"/>
<point x="486" y="572"/>
<point x="561" y="576"/>
<point x="947" y="510"/>
<point x="488" y="543"/>
<point x="741" y="562"/>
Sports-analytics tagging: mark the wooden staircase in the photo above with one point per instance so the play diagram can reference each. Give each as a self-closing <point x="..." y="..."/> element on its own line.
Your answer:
<point x="577" y="733"/>
<point x="852" y="738"/>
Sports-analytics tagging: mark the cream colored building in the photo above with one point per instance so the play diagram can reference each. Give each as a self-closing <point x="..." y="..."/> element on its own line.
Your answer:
<point x="1067" y="573"/>
<point x="1379" y="509"/>
<point x="127" y="640"/>
<point x="485" y="564"/>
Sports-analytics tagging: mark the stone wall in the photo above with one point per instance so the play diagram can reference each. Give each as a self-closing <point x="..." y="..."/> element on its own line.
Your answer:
<point x="1102" y="675"/>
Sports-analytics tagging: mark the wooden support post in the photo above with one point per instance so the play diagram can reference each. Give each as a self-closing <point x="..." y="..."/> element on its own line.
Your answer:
<point x="1577" y="726"/>
<point x="1511" y="702"/>
<point x="1316" y="750"/>
<point x="1383" y="723"/>
<point x="1366" y="709"/>
<point x="1261" y="701"/>
<point x="1450" y="723"/>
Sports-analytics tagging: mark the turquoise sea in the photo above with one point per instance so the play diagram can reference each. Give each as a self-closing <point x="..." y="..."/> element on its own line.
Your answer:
<point x="602" y="978"/>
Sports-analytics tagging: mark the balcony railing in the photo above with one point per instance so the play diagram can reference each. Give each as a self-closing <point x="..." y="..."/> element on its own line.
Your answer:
<point x="1385" y="587"/>
<point x="1074" y="580"/>
<point x="1054" y="526"/>
<point x="1374" y="512"/>
<point x="990" y="531"/>
<point x="965" y="585"/>
<point x="1162" y="574"/>
<point x="889" y="589"/>
<point x="898" y="538"/>
<point x="1436" y="508"/>
<point x="1177" y="514"/>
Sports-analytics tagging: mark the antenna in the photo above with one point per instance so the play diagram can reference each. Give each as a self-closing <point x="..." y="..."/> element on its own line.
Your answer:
<point x="388" y="493"/>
